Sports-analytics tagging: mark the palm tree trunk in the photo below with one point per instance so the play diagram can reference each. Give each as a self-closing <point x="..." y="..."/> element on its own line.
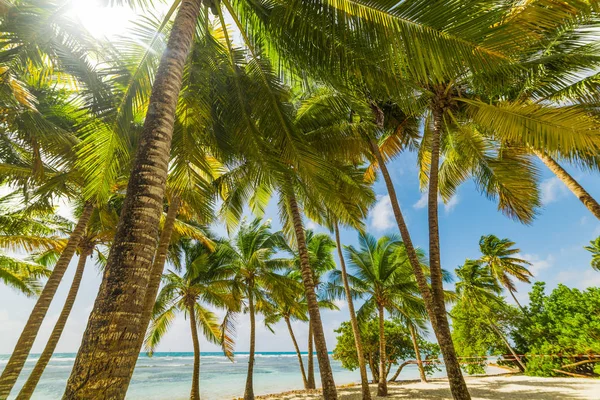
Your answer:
<point x="327" y="382"/>
<point x="441" y="330"/>
<point x="458" y="386"/>
<point x="289" y="325"/>
<point x="249" y="392"/>
<point x="413" y="336"/>
<point x="311" y="359"/>
<point x="517" y="301"/>
<point x="111" y="343"/>
<point x="570" y="182"/>
<point x="29" y="387"/>
<point x="512" y="351"/>
<point x="195" y="392"/>
<point x="364" y="379"/>
<point x="159" y="264"/>
<point x="23" y="347"/>
<point x="382" y="386"/>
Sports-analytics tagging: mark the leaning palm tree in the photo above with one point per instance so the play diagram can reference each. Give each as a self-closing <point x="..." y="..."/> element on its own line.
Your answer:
<point x="292" y="309"/>
<point x="594" y="248"/>
<point x="477" y="289"/>
<point x="320" y="248"/>
<point x="498" y="257"/>
<point x="206" y="281"/>
<point x="132" y="253"/>
<point x="256" y="279"/>
<point x="99" y="232"/>
<point x="386" y="284"/>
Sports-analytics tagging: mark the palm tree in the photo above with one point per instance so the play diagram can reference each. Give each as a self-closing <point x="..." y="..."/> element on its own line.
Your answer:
<point x="150" y="167"/>
<point x="594" y="248"/>
<point x="477" y="289"/>
<point x="250" y="254"/>
<point x="99" y="232"/>
<point x="205" y="281"/>
<point x="320" y="248"/>
<point x="387" y="285"/>
<point x="136" y="238"/>
<point x="497" y="256"/>
<point x="292" y="309"/>
<point x="366" y="392"/>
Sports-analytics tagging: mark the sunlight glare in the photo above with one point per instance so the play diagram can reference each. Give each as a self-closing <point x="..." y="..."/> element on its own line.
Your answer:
<point x="102" y="21"/>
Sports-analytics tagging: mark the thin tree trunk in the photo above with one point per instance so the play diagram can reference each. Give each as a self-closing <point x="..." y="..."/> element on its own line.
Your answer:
<point x="570" y="182"/>
<point x="373" y="369"/>
<point x="159" y="264"/>
<point x="512" y="351"/>
<point x="364" y="379"/>
<point x="458" y="386"/>
<point x="23" y="347"/>
<point x="195" y="392"/>
<point x="517" y="301"/>
<point x="400" y="368"/>
<point x="289" y="325"/>
<point x="311" y="358"/>
<point x="327" y="382"/>
<point x="382" y="386"/>
<point x="29" y="387"/>
<point x="249" y="392"/>
<point x="111" y="343"/>
<point x="441" y="330"/>
<point x="413" y="336"/>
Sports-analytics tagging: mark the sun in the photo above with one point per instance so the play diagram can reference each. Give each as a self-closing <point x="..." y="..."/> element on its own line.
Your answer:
<point x="102" y="21"/>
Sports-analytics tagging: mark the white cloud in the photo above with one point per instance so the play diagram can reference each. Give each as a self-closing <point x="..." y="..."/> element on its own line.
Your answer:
<point x="538" y="263"/>
<point x="552" y="190"/>
<point x="448" y="207"/>
<point x="382" y="215"/>
<point x="310" y="224"/>
<point x="422" y="202"/>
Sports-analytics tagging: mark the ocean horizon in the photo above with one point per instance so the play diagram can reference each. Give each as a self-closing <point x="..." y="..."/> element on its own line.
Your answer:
<point x="168" y="375"/>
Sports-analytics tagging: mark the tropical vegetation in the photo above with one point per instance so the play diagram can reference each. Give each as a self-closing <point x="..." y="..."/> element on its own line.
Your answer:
<point x="205" y="114"/>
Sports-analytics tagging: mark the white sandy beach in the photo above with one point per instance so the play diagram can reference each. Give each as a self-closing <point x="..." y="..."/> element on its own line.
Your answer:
<point x="502" y="387"/>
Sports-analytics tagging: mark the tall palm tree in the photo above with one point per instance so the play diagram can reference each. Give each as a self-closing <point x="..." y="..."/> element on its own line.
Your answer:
<point x="320" y="248"/>
<point x="366" y="392"/>
<point x="594" y="248"/>
<point x="99" y="232"/>
<point x="477" y="289"/>
<point x="130" y="260"/>
<point x="497" y="256"/>
<point x="150" y="167"/>
<point x="292" y="309"/>
<point x="206" y="281"/>
<point x="257" y="282"/>
<point x="387" y="285"/>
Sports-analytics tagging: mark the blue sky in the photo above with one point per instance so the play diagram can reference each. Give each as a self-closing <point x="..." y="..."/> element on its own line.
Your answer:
<point x="553" y="243"/>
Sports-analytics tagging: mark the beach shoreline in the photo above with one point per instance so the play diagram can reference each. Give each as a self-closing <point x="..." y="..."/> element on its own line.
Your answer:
<point x="494" y="386"/>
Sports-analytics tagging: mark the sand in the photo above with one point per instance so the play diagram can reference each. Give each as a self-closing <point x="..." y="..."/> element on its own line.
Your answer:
<point x="499" y="387"/>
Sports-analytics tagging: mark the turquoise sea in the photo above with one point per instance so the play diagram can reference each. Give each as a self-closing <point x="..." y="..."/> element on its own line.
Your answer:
<point x="169" y="375"/>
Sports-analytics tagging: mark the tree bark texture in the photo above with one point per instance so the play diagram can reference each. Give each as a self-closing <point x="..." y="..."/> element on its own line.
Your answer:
<point x="327" y="382"/>
<point x="111" y="342"/>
